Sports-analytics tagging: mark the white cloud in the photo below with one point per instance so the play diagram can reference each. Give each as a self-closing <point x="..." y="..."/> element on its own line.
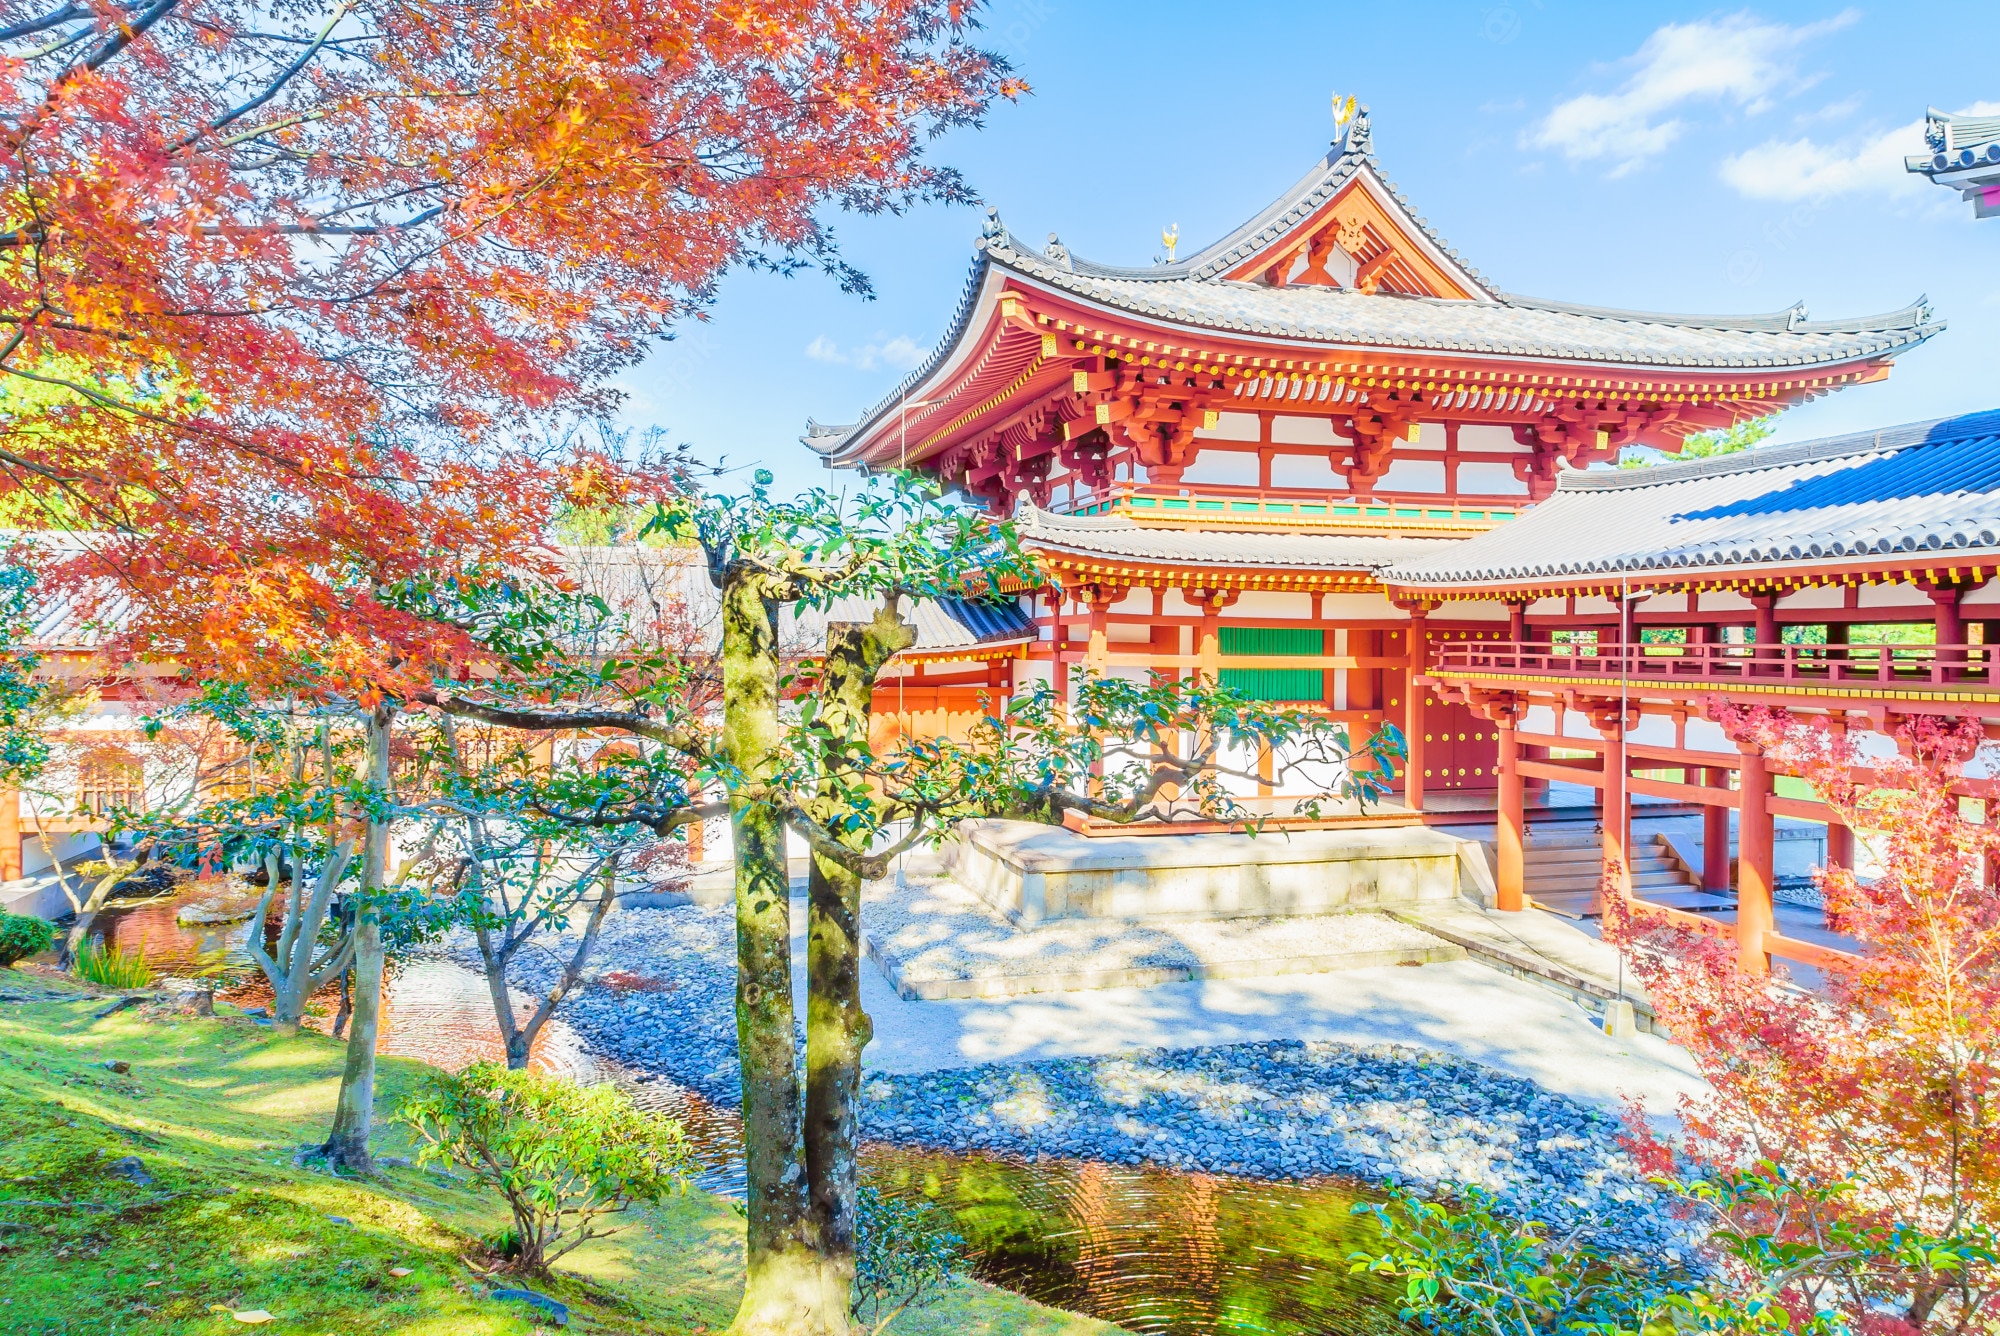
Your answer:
<point x="899" y="353"/>
<point x="1807" y="169"/>
<point x="1740" y="60"/>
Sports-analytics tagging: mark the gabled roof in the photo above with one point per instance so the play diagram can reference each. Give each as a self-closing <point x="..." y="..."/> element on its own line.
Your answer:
<point x="1349" y="163"/>
<point x="1119" y="538"/>
<point x="1197" y="296"/>
<point x="1919" y="491"/>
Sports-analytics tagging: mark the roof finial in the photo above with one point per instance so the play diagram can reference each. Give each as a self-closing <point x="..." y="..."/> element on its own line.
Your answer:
<point x="1170" y="237"/>
<point x="1350" y="124"/>
<point x="993" y="231"/>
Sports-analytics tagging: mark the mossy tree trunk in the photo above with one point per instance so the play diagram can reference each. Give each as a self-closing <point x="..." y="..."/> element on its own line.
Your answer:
<point x="782" y="1295"/>
<point x="836" y="1027"/>
<point x="346" y="1146"/>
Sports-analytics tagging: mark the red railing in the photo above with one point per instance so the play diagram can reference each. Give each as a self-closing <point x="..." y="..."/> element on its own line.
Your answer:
<point x="1722" y="664"/>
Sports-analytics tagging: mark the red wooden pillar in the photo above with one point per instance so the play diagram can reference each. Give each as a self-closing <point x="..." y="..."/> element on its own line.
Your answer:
<point x="1755" y="915"/>
<point x="1413" y="706"/>
<point x="1950" y="628"/>
<point x="1617" y="809"/>
<point x="10" y="834"/>
<point x="1715" y="836"/>
<point x="1512" y="827"/>
<point x="1839" y="845"/>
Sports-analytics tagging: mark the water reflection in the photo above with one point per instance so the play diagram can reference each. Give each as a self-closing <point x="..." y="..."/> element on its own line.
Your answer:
<point x="1154" y="1250"/>
<point x="1151" y="1250"/>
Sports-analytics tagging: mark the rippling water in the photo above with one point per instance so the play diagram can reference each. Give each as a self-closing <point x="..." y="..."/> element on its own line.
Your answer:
<point x="1152" y="1250"/>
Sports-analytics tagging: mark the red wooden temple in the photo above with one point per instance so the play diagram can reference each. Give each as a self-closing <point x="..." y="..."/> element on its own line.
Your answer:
<point x="1298" y="457"/>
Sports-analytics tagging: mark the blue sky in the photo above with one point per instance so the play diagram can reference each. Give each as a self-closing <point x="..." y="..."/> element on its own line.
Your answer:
<point x="1656" y="156"/>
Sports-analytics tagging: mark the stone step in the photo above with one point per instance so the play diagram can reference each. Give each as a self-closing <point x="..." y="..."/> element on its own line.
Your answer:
<point x="1580" y="882"/>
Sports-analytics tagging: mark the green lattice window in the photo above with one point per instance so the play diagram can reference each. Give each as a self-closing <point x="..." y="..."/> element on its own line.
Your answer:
<point x="1274" y="684"/>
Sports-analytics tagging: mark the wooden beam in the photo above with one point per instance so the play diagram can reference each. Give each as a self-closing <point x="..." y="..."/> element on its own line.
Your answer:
<point x="1579" y="772"/>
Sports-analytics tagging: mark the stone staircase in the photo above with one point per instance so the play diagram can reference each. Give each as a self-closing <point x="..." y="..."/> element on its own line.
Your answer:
<point x="1562" y="872"/>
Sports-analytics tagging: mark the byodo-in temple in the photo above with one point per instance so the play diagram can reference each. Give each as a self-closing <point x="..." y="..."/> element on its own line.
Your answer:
<point x="1328" y="461"/>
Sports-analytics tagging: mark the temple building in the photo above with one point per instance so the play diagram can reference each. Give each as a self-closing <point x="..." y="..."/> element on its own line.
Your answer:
<point x="1301" y="458"/>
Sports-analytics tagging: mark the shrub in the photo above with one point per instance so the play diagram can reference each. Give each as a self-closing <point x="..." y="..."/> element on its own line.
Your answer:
<point x="21" y="936"/>
<point x="905" y="1252"/>
<point x="564" y="1156"/>
<point x="111" y="966"/>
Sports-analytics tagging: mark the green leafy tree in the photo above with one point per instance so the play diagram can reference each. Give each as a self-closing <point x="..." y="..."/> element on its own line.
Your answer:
<point x="792" y="752"/>
<point x="906" y="1253"/>
<point x="567" y="1158"/>
<point x="21" y="936"/>
<point x="1703" y="444"/>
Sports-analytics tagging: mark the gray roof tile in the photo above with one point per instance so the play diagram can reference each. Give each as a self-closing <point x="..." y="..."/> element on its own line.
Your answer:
<point x="1916" y="490"/>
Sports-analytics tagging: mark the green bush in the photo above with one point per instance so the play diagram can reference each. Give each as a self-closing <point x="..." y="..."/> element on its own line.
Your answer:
<point x="111" y="966"/>
<point x="21" y="936"/>
<point x="564" y="1156"/>
<point x="905" y="1252"/>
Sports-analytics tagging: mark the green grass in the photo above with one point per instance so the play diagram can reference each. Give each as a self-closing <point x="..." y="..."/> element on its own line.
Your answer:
<point x="214" y="1109"/>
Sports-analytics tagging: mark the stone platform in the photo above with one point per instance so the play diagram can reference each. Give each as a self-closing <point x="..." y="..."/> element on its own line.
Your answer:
<point x="1035" y="874"/>
<point x="935" y="940"/>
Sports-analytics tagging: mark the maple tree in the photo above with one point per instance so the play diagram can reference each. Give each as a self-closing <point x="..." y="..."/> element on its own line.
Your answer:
<point x="276" y="282"/>
<point x="285" y="287"/>
<point x="1877" y="1091"/>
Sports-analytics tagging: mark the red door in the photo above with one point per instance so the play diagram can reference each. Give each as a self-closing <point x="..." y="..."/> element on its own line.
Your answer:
<point x="1461" y="750"/>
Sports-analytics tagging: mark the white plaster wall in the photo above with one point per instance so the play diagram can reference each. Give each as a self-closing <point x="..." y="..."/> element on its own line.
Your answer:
<point x="1895" y="596"/>
<point x="1724" y="600"/>
<point x="1470" y="610"/>
<point x="1303" y="431"/>
<point x="1481" y="478"/>
<point x="1986" y="596"/>
<point x="1314" y="471"/>
<point x="1360" y="607"/>
<point x="1135" y="600"/>
<point x="1706" y="735"/>
<point x="1817" y="596"/>
<point x="1595" y="605"/>
<point x="1231" y="427"/>
<point x="1268" y="603"/>
<point x="1223" y="467"/>
<point x="1489" y="437"/>
<point x="1412" y="475"/>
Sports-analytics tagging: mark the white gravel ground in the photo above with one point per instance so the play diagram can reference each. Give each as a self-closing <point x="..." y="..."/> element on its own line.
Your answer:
<point x="934" y="930"/>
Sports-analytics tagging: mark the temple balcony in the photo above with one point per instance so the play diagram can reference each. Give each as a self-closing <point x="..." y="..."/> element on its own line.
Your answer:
<point x="1220" y="505"/>
<point x="1938" y="672"/>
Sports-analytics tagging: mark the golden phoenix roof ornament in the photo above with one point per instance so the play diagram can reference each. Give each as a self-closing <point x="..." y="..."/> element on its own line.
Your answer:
<point x="1170" y="237"/>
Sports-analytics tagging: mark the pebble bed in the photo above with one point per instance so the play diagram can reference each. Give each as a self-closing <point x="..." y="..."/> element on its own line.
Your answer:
<point x="1281" y="1110"/>
<point x="1287" y="1110"/>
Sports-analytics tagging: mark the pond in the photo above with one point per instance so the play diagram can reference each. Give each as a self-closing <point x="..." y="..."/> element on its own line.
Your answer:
<point x="1152" y="1250"/>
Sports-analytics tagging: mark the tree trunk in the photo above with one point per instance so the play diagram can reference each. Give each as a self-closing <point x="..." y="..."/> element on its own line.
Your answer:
<point x="836" y="1027"/>
<point x="495" y="959"/>
<point x="346" y="1145"/>
<point x="782" y="1295"/>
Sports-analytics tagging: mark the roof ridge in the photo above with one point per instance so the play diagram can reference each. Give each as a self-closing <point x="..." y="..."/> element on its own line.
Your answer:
<point x="1846" y="445"/>
<point x="1344" y="159"/>
<point x="1790" y="319"/>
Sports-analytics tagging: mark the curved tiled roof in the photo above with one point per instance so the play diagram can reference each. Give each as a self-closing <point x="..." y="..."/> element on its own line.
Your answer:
<point x="1119" y="537"/>
<point x="1193" y="294"/>
<point x="1917" y="490"/>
